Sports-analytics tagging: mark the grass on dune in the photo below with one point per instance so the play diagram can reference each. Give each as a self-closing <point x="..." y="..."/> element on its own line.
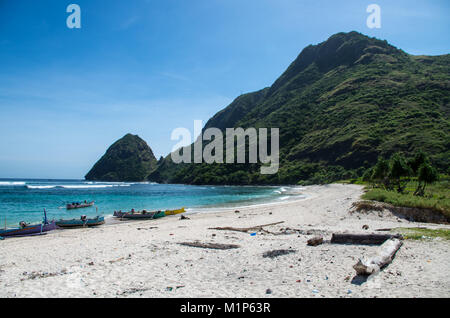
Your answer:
<point x="423" y="233"/>
<point x="437" y="197"/>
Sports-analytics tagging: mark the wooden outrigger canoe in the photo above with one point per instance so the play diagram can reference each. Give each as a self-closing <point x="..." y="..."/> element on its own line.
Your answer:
<point x="72" y="206"/>
<point x="28" y="230"/>
<point x="143" y="215"/>
<point x="25" y="229"/>
<point x="83" y="221"/>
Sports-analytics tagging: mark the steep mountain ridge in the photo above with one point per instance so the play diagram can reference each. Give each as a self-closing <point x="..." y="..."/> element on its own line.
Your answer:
<point x="339" y="105"/>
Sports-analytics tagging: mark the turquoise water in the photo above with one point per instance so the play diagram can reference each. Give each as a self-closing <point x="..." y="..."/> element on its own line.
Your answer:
<point x="25" y="200"/>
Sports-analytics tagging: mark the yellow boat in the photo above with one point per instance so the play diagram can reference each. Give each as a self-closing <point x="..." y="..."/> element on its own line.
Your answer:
<point x="174" y="212"/>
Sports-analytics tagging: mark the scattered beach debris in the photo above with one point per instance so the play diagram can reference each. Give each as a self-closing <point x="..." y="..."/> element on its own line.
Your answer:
<point x="276" y="253"/>
<point x="385" y="255"/>
<point x="317" y="240"/>
<point x="169" y="288"/>
<point x="117" y="260"/>
<point x="146" y="228"/>
<point x="252" y="234"/>
<point x="91" y="263"/>
<point x="182" y="217"/>
<point x="290" y="231"/>
<point x="244" y="229"/>
<point x="362" y="239"/>
<point x="268" y="291"/>
<point x="133" y="291"/>
<point x="237" y="211"/>
<point x="215" y="246"/>
<point x="365" y="227"/>
<point x="34" y="275"/>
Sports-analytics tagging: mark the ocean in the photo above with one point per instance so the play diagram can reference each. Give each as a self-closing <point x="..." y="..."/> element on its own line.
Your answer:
<point x="26" y="199"/>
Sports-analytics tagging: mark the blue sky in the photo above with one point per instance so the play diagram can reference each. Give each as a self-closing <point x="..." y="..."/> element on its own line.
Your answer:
<point x="149" y="66"/>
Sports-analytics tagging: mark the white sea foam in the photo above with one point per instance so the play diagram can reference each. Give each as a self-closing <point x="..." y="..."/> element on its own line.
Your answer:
<point x="41" y="187"/>
<point x="93" y="186"/>
<point x="85" y="186"/>
<point x="12" y="183"/>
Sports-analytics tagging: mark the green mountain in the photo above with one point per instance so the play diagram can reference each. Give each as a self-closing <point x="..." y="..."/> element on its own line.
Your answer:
<point x="339" y="105"/>
<point x="128" y="159"/>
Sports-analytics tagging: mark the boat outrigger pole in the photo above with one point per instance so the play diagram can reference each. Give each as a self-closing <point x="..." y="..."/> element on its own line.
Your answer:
<point x="45" y="217"/>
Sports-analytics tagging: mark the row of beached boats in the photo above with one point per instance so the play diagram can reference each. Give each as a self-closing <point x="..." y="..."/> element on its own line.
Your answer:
<point x="146" y="215"/>
<point x="25" y="229"/>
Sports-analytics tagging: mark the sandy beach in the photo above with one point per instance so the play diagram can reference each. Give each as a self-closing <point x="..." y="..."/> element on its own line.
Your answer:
<point x="145" y="259"/>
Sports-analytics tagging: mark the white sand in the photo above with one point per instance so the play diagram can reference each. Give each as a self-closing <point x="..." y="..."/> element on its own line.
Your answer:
<point x="122" y="261"/>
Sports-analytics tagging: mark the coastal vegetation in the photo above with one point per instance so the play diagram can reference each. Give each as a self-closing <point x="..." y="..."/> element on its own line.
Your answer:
<point x="409" y="183"/>
<point x="437" y="197"/>
<point x="423" y="233"/>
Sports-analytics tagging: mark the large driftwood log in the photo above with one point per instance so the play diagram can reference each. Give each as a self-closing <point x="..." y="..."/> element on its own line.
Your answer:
<point x="386" y="253"/>
<point x="244" y="229"/>
<point x="361" y="239"/>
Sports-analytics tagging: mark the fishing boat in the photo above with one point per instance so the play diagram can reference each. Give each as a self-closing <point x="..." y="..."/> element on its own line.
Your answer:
<point x="77" y="205"/>
<point x="83" y="221"/>
<point x="119" y="214"/>
<point x="174" y="212"/>
<point x="25" y="229"/>
<point x="143" y="215"/>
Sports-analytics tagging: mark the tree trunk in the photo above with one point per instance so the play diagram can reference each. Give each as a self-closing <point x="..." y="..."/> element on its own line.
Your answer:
<point x="361" y="239"/>
<point x="386" y="253"/>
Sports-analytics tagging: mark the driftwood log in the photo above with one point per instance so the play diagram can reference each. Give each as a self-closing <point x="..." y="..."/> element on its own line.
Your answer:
<point x="244" y="229"/>
<point x="386" y="253"/>
<point x="362" y="239"/>
<point x="214" y="246"/>
<point x="276" y="253"/>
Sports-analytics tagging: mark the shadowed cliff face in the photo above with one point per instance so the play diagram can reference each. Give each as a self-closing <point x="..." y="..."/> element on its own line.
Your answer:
<point x="339" y="105"/>
<point x="128" y="159"/>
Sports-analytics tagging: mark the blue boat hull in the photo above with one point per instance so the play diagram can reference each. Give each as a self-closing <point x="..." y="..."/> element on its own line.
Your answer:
<point x="29" y="230"/>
